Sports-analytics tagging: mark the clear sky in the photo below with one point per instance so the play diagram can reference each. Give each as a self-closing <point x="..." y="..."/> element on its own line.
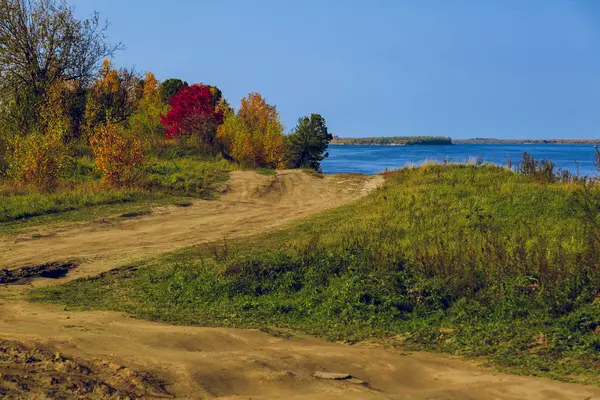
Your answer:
<point x="470" y="68"/>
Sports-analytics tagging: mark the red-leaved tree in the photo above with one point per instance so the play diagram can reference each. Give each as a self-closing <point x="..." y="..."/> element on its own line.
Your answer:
<point x="193" y="117"/>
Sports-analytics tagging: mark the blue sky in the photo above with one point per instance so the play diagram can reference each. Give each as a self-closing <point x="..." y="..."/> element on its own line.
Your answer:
<point x="470" y="68"/>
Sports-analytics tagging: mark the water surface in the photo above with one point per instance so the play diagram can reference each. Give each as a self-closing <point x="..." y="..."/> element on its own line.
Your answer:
<point x="576" y="158"/>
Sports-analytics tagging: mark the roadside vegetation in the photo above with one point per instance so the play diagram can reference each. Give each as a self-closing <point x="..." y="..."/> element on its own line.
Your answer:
<point x="470" y="260"/>
<point x="77" y="132"/>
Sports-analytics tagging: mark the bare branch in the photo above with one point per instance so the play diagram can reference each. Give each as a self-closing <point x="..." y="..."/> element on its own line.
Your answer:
<point x="41" y="41"/>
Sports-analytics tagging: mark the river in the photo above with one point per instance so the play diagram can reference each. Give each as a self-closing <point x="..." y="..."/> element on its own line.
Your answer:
<point x="576" y="158"/>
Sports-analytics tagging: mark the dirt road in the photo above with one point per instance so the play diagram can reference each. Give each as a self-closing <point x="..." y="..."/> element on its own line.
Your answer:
<point x="253" y="203"/>
<point x="45" y="349"/>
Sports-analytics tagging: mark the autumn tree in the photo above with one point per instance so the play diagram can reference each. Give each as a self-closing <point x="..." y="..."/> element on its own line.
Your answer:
<point x="42" y="43"/>
<point x="111" y="97"/>
<point x="307" y="144"/>
<point x="254" y="136"/>
<point x="216" y="95"/>
<point x="41" y="158"/>
<point x="145" y="121"/>
<point x="170" y="87"/>
<point x="194" y="118"/>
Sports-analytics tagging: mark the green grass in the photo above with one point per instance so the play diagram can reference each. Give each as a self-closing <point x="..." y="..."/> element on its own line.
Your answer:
<point x="22" y="206"/>
<point x="190" y="176"/>
<point x="82" y="197"/>
<point x="267" y="171"/>
<point x="476" y="261"/>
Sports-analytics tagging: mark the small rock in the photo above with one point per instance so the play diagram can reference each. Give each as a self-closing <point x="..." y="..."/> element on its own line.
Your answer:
<point x="332" y="376"/>
<point x="446" y="331"/>
<point x="115" y="367"/>
<point x="356" y="381"/>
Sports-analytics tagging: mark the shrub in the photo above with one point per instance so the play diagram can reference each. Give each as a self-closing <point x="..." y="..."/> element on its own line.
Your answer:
<point x="41" y="158"/>
<point x="543" y="170"/>
<point x="118" y="154"/>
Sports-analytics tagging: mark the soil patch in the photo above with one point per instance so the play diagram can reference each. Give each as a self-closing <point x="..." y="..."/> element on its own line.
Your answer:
<point x="41" y="373"/>
<point x="136" y="214"/>
<point x="55" y="270"/>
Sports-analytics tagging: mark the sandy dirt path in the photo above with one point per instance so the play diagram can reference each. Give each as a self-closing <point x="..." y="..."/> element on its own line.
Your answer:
<point x="253" y="203"/>
<point x="107" y="354"/>
<point x="220" y="363"/>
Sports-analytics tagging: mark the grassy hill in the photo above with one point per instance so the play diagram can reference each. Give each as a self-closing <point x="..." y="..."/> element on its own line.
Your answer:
<point x="475" y="261"/>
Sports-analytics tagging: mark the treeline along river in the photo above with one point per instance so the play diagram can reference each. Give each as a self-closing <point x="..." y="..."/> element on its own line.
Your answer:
<point x="576" y="158"/>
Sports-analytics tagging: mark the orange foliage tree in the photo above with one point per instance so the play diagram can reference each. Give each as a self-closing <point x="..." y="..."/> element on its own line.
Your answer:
<point x="254" y="136"/>
<point x="118" y="154"/>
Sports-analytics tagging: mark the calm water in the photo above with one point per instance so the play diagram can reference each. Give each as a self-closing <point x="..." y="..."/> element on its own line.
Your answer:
<point x="576" y="158"/>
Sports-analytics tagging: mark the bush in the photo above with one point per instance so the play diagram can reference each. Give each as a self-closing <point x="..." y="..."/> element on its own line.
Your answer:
<point x="41" y="157"/>
<point x="40" y="161"/>
<point x="119" y="154"/>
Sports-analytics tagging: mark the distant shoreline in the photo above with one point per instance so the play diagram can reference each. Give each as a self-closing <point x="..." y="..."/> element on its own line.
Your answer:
<point x="407" y="141"/>
<point x="393" y="141"/>
<point x="389" y="144"/>
<point x="525" y="141"/>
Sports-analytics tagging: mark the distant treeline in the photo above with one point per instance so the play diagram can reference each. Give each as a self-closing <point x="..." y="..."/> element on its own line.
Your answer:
<point x="524" y="141"/>
<point x="441" y="140"/>
<point x="393" y="140"/>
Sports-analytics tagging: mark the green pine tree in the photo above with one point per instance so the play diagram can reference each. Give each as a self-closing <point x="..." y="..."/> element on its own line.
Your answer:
<point x="171" y="86"/>
<point x="307" y="144"/>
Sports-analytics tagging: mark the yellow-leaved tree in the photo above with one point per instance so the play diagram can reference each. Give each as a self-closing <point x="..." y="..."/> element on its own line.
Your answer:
<point x="145" y="121"/>
<point x="112" y="102"/>
<point x="111" y="97"/>
<point x="41" y="157"/>
<point x="254" y="136"/>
